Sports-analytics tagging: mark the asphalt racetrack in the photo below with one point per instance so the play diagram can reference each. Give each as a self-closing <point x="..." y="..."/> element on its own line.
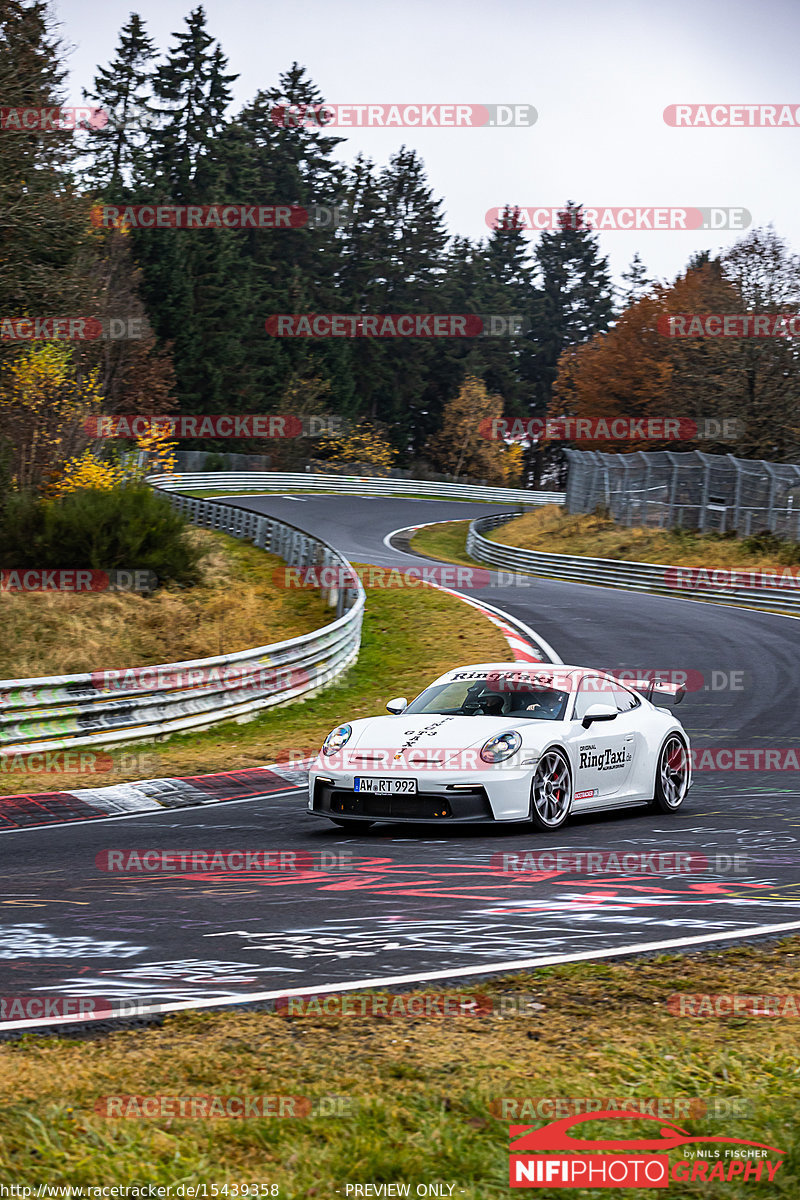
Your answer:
<point x="419" y="902"/>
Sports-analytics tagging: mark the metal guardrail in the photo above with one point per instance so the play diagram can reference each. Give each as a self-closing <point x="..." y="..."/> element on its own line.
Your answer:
<point x="141" y="704"/>
<point x="631" y="576"/>
<point x="354" y="485"/>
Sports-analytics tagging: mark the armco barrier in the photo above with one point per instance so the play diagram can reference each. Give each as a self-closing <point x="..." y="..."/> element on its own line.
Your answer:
<point x="95" y="709"/>
<point x="353" y="485"/>
<point x="631" y="576"/>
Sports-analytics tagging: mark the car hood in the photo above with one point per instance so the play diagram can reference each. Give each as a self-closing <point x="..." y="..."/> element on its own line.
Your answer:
<point x="429" y="732"/>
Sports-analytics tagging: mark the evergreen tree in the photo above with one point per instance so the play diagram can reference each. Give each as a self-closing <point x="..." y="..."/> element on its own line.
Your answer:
<point x="415" y="241"/>
<point x="636" y="283"/>
<point x="187" y="274"/>
<point x="192" y="94"/>
<point x="575" y="303"/>
<point x="291" y="270"/>
<point x="122" y="91"/>
<point x="509" y="288"/>
<point x="45" y="225"/>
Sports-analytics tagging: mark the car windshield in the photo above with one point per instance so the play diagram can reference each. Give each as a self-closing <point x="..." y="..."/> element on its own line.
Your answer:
<point x="492" y="697"/>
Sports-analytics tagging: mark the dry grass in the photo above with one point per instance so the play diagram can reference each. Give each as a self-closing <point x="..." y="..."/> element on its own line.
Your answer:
<point x="238" y="605"/>
<point x="550" y="530"/>
<point x="409" y="637"/>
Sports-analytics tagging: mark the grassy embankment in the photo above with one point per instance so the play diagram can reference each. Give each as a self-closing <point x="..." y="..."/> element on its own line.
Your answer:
<point x="410" y="635"/>
<point x="552" y="531"/>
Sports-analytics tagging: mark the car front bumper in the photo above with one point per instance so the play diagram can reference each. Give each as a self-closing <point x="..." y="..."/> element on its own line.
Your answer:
<point x="441" y="797"/>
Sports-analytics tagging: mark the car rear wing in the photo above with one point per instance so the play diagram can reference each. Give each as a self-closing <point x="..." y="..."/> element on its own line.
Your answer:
<point x="648" y="687"/>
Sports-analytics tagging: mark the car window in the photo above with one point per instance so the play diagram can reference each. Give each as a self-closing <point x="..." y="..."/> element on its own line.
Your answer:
<point x="492" y="696"/>
<point x="625" y="700"/>
<point x="592" y="690"/>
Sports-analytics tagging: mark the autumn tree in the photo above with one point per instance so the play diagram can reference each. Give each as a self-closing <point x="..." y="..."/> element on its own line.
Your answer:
<point x="365" y="444"/>
<point x="634" y="370"/>
<point x="462" y="448"/>
<point x="44" y="410"/>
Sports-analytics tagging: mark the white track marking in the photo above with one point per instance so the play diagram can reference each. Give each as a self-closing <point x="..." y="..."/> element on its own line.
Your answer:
<point x="516" y="645"/>
<point x="466" y="971"/>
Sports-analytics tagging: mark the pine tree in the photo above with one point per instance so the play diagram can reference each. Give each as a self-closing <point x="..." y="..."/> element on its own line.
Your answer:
<point x="637" y="283"/>
<point x="509" y="288"/>
<point x="44" y="227"/>
<point x="295" y="270"/>
<point x="122" y="91"/>
<point x="192" y="94"/>
<point x="187" y="273"/>
<point x="415" y="241"/>
<point x="576" y="303"/>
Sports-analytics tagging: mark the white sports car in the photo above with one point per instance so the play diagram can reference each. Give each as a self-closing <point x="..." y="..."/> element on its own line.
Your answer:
<point x="504" y="742"/>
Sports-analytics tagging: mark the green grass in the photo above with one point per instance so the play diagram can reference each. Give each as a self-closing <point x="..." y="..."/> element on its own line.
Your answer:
<point x="445" y="542"/>
<point x="425" y="1093"/>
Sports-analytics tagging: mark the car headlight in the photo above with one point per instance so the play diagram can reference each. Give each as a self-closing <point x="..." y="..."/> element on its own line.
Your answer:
<point x="497" y="749"/>
<point x="337" y="738"/>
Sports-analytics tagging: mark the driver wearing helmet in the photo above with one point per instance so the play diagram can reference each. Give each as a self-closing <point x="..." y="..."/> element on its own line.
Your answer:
<point x="547" y="704"/>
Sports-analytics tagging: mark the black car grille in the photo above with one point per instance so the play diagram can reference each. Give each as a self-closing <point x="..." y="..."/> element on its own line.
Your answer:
<point x="336" y="801"/>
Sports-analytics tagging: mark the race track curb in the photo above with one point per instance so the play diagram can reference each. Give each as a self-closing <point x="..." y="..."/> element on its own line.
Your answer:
<point x="147" y="795"/>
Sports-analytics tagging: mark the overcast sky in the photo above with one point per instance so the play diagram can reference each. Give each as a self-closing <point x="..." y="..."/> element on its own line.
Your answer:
<point x="599" y="73"/>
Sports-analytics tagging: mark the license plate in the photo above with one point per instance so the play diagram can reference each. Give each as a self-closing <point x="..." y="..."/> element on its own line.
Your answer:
<point x="382" y="786"/>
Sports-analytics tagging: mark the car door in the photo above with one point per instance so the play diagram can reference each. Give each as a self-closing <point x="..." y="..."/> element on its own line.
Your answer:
<point x="603" y="753"/>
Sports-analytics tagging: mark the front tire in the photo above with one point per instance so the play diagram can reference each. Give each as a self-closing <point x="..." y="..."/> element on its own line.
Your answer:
<point x="672" y="775"/>
<point x="551" y="791"/>
<point x="354" y="826"/>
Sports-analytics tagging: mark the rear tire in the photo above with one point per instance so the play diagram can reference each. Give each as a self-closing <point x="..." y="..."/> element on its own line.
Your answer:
<point x="551" y="791"/>
<point x="354" y="826"/>
<point x="672" y="775"/>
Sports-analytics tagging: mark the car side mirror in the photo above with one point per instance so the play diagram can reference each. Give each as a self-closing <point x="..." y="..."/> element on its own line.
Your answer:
<point x="598" y="712"/>
<point x="397" y="706"/>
